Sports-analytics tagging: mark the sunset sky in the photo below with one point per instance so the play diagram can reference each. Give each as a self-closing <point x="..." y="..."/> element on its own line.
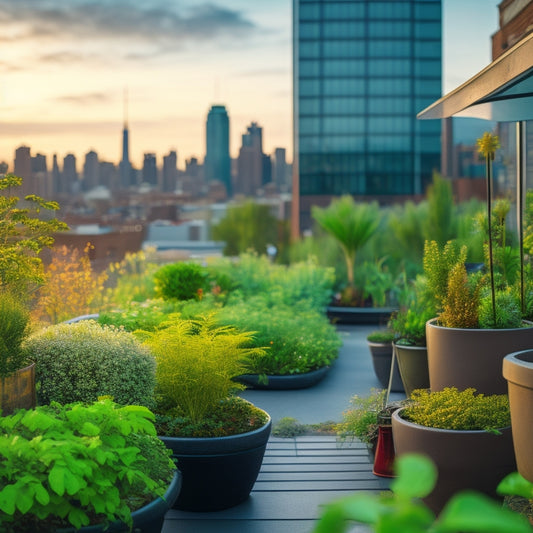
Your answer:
<point x="65" y="66"/>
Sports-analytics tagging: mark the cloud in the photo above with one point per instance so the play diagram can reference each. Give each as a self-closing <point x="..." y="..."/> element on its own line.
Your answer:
<point x="153" y="21"/>
<point x="84" y="99"/>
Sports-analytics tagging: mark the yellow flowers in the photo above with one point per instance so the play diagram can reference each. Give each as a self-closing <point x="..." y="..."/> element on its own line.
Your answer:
<point x="488" y="144"/>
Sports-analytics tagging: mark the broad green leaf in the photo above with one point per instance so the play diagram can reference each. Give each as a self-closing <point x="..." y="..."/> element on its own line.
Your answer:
<point x="41" y="494"/>
<point x="8" y="497"/>
<point x="25" y="499"/>
<point x="515" y="485"/>
<point x="471" y="512"/>
<point x="78" y="518"/>
<point x="89" y="429"/>
<point x="56" y="477"/>
<point x="417" y="476"/>
<point x="34" y="420"/>
<point x="73" y="483"/>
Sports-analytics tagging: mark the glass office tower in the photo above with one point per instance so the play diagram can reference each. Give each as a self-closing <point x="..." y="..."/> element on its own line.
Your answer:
<point x="217" y="163"/>
<point x="363" y="69"/>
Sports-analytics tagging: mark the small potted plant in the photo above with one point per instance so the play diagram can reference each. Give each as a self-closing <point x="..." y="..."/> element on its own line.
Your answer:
<point x="218" y="438"/>
<point x="86" y="467"/>
<point x="380" y="346"/>
<point x="17" y="373"/>
<point x="467" y="435"/>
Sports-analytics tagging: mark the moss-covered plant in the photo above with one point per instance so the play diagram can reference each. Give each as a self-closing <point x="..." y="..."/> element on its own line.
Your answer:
<point x="458" y="410"/>
<point x="72" y="465"/>
<point x="14" y="327"/>
<point x="182" y="281"/>
<point x="197" y="362"/>
<point x="84" y="360"/>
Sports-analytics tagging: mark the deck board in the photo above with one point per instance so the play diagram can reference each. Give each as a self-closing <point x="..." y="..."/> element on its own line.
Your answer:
<point x="298" y="475"/>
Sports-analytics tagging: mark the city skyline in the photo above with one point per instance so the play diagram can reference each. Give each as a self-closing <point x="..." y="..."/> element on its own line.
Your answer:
<point x="65" y="67"/>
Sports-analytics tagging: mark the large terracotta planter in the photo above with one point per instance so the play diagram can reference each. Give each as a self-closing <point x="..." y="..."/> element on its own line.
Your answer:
<point x="18" y="390"/>
<point x="475" y="460"/>
<point x="218" y="472"/>
<point x="466" y="358"/>
<point x="381" y="353"/>
<point x="413" y="365"/>
<point x="518" y="371"/>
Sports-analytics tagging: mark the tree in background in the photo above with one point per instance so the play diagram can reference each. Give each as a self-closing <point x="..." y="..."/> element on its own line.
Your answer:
<point x="250" y="226"/>
<point x="26" y="227"/>
<point x="71" y="286"/>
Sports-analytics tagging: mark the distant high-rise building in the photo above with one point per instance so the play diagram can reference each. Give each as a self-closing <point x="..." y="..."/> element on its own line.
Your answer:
<point x="126" y="172"/>
<point x="362" y="71"/>
<point x="250" y="162"/>
<point x="3" y="167"/>
<point x="58" y="185"/>
<point x="149" y="172"/>
<point x="279" y="169"/>
<point x="23" y="169"/>
<point x="70" y="174"/>
<point x="217" y="164"/>
<point x="40" y="176"/>
<point x="108" y="175"/>
<point x="91" y="169"/>
<point x="170" y="172"/>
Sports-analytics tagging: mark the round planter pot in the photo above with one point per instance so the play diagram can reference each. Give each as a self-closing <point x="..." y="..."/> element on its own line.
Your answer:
<point x="466" y="358"/>
<point x="475" y="460"/>
<point x="381" y="360"/>
<point x="288" y="382"/>
<point x="518" y="371"/>
<point x="147" y="519"/>
<point x="218" y="472"/>
<point x="413" y="365"/>
<point x="18" y="390"/>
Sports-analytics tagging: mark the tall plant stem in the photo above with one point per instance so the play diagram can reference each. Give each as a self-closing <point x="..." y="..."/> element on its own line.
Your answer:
<point x="489" y="220"/>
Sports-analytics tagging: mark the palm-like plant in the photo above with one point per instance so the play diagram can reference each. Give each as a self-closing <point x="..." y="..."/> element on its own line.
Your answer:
<point x="352" y="225"/>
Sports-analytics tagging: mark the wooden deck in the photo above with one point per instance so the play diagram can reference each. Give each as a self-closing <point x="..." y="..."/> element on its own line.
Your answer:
<point x="297" y="476"/>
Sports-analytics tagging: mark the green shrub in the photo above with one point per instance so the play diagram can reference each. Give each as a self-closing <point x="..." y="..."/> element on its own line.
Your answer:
<point x="147" y="315"/>
<point x="82" y="361"/>
<point x="75" y="464"/>
<point x="14" y="321"/>
<point x="461" y="410"/>
<point x="302" y="284"/>
<point x="182" y="281"/>
<point x="298" y="341"/>
<point x="508" y="313"/>
<point x="196" y="364"/>
<point x="360" y="420"/>
<point x="382" y="336"/>
<point x="288" y="427"/>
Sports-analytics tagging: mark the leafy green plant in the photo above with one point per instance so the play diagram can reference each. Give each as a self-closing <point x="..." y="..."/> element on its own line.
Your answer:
<point x="70" y="465"/>
<point x="84" y="360"/>
<point x="508" y="313"/>
<point x="383" y="336"/>
<point x="182" y="281"/>
<point x="376" y="282"/>
<point x="24" y="233"/>
<point x="297" y="341"/>
<point x="402" y="509"/>
<point x="352" y="224"/>
<point x="459" y="410"/>
<point x="360" y="420"/>
<point x="196" y="363"/>
<point x="14" y="327"/>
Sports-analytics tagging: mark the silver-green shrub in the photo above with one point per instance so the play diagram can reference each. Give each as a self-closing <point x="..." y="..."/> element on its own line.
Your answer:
<point x="84" y="360"/>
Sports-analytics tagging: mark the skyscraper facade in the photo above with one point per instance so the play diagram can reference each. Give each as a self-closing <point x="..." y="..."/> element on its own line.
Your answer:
<point x="250" y="161"/>
<point x="149" y="173"/>
<point x="362" y="71"/>
<point x="217" y="163"/>
<point x="91" y="168"/>
<point x="170" y="172"/>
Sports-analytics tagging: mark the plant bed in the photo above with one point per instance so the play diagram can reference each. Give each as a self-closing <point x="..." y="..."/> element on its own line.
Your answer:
<point x="288" y="382"/>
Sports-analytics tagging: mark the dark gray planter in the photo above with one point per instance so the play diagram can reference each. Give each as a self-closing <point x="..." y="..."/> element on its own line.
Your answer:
<point x="381" y="361"/>
<point x="288" y="382"/>
<point x="466" y="358"/>
<point x="413" y="365"/>
<point x="518" y="371"/>
<point x="147" y="519"/>
<point x="474" y="460"/>
<point x="218" y="472"/>
<point x="339" y="314"/>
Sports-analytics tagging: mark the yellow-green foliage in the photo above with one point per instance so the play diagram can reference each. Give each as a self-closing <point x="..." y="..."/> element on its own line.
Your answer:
<point x="461" y="301"/>
<point x="438" y="264"/>
<point x="196" y="361"/>
<point x="461" y="410"/>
